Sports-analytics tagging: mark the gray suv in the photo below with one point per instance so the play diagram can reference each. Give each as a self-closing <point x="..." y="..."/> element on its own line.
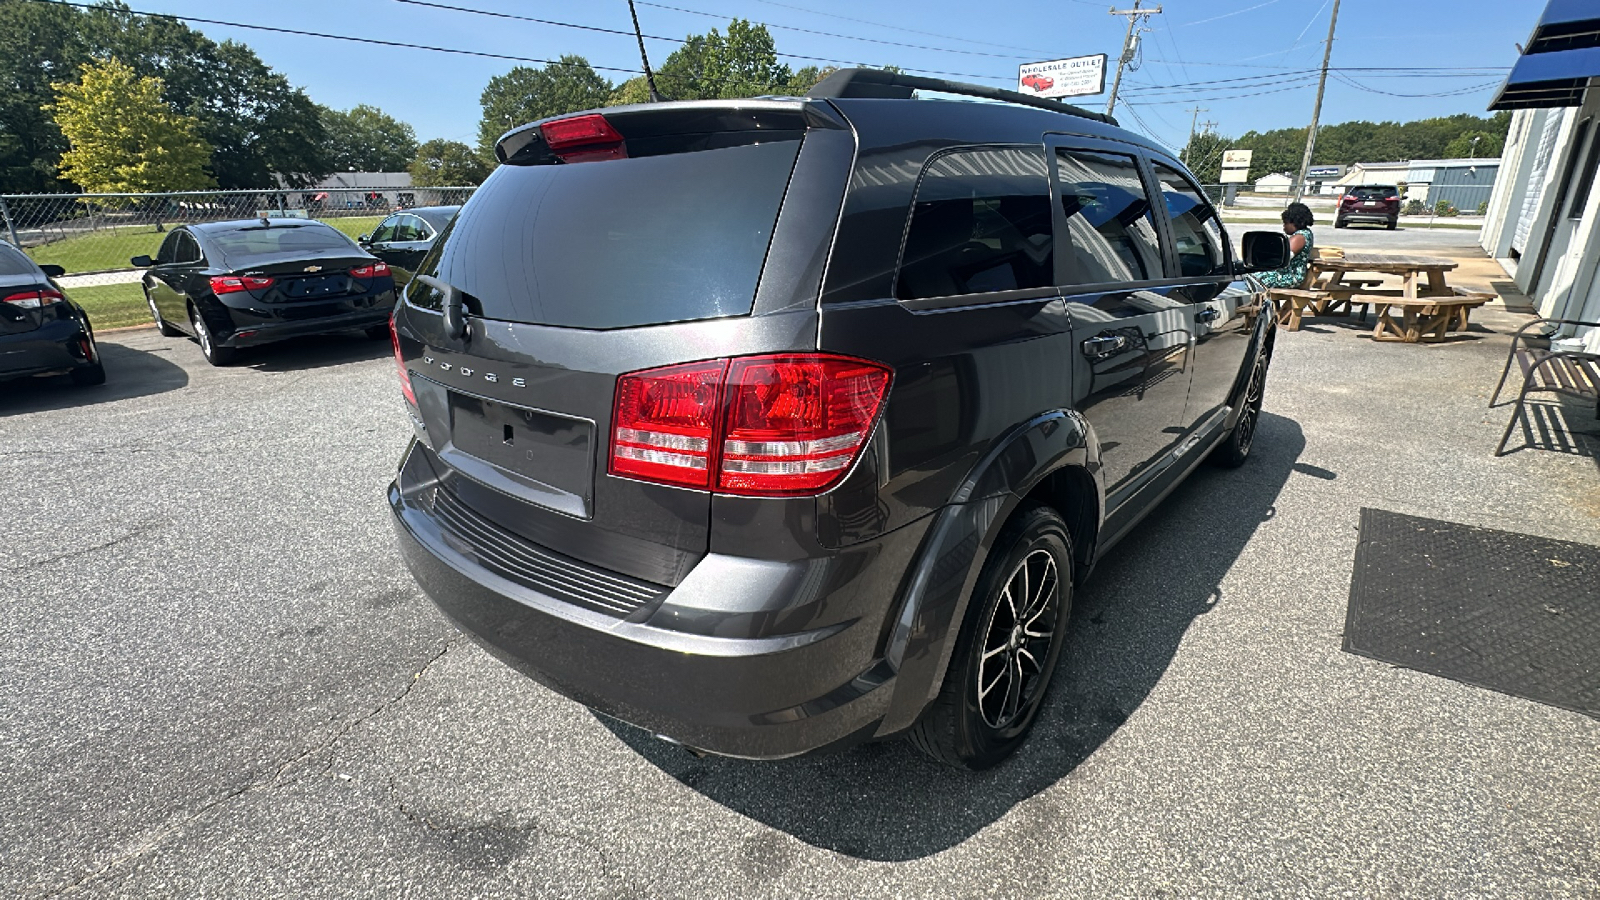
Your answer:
<point x="779" y="424"/>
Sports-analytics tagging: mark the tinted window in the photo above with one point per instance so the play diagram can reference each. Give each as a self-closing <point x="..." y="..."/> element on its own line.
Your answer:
<point x="12" y="262"/>
<point x="188" y="250"/>
<point x="1111" y="228"/>
<point x="385" y="232"/>
<point x="410" y="228"/>
<point x="616" y="243"/>
<point x="169" y="248"/>
<point x="1196" y="234"/>
<point x="278" y="239"/>
<point x="980" y="223"/>
<point x="1373" y="192"/>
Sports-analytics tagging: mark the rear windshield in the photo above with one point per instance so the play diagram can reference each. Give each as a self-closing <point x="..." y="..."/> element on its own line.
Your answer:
<point x="618" y="243"/>
<point x="1372" y="192"/>
<point x="278" y="240"/>
<point x="12" y="262"/>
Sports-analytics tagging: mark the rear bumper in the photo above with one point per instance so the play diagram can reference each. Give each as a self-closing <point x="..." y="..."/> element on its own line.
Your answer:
<point x="765" y="697"/>
<point x="1368" y="215"/>
<point x="51" y="348"/>
<point x="250" y="330"/>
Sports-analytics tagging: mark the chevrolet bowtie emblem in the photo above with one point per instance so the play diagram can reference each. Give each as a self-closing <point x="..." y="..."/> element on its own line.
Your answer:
<point x="313" y="268"/>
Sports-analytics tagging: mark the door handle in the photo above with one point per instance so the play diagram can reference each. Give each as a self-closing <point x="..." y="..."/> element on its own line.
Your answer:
<point x="1104" y="345"/>
<point x="1207" y="315"/>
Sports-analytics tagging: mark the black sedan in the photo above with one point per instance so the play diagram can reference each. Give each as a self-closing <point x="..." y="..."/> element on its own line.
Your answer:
<point x="403" y="239"/>
<point x="242" y="283"/>
<point x="42" y="332"/>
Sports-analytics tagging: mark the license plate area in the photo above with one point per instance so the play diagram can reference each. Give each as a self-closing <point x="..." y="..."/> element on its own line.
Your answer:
<point x="542" y="457"/>
<point x="316" y="286"/>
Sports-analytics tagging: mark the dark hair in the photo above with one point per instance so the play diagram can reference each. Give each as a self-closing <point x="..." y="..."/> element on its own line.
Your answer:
<point x="1298" y="215"/>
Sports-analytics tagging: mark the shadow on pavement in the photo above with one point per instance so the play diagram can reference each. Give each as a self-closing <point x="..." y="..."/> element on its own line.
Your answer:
<point x="887" y="802"/>
<point x="313" y="352"/>
<point x="129" y="373"/>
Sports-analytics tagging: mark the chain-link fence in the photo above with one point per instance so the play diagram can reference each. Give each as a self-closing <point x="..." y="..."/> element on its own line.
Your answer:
<point x="93" y="236"/>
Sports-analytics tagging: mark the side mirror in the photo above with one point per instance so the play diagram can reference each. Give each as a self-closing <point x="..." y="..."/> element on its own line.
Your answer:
<point x="143" y="262"/>
<point x="365" y="238"/>
<point x="1264" y="251"/>
<point x="53" y="271"/>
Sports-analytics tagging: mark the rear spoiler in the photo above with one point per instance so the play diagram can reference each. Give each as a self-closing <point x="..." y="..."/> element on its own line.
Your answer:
<point x="886" y="85"/>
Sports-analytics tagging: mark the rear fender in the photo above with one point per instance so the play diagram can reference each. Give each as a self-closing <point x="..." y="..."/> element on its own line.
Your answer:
<point x="941" y="582"/>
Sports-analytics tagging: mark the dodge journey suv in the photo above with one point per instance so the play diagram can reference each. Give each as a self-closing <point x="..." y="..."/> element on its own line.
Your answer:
<point x="773" y="425"/>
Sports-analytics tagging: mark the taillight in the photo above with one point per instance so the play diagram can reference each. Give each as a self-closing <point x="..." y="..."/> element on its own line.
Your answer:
<point x="400" y="362"/>
<point x="1348" y="198"/>
<point x="232" y="284"/>
<point x="372" y="270"/>
<point x="33" y="299"/>
<point x="759" y="426"/>
<point x="1392" y="199"/>
<point x="584" y="139"/>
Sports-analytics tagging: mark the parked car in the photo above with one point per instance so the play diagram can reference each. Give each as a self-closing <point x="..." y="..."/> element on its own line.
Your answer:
<point x="42" y="332"/>
<point x="1039" y="82"/>
<point x="1369" y="203"/>
<point x="403" y="239"/>
<point x="771" y="425"/>
<point x="248" y="282"/>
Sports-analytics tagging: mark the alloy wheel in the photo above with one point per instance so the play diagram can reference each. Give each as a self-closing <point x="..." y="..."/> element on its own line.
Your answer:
<point x="1252" y="406"/>
<point x="1016" y="642"/>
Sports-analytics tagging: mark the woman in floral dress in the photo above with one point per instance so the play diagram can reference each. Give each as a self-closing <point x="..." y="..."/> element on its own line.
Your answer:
<point x="1297" y="225"/>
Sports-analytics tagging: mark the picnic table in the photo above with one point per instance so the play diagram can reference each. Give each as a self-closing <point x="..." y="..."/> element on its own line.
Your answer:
<point x="1426" y="306"/>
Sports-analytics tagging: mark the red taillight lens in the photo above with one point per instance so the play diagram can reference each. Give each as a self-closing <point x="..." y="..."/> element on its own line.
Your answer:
<point x="374" y="270"/>
<point x="584" y="139"/>
<point x="765" y="425"/>
<point x="664" y="424"/>
<point x="232" y="284"/>
<point x="1392" y="199"/>
<point x="33" y="299"/>
<point x="400" y="363"/>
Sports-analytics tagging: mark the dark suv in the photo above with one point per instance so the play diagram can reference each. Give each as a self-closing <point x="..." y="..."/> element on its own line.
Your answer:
<point x="1377" y="203"/>
<point x="772" y="425"/>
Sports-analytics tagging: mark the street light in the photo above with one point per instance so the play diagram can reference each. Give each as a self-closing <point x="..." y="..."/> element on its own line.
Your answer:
<point x="1473" y="153"/>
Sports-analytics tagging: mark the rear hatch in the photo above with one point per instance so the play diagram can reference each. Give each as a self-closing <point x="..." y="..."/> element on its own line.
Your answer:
<point x="1372" y="197"/>
<point x="642" y="248"/>
<point x="298" y="264"/>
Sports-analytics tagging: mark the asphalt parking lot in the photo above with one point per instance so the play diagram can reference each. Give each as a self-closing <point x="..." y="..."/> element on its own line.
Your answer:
<point x="220" y="681"/>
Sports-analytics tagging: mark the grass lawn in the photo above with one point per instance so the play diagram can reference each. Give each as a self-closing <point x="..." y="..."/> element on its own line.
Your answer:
<point x="112" y="305"/>
<point x="111" y="248"/>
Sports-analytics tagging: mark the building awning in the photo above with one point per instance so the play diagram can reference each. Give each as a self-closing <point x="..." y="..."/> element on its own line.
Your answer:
<point x="1560" y="58"/>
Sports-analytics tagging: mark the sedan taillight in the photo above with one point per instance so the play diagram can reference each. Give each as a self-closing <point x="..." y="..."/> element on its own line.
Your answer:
<point x="33" y="299"/>
<point x="756" y="426"/>
<point x="232" y="284"/>
<point x="372" y="270"/>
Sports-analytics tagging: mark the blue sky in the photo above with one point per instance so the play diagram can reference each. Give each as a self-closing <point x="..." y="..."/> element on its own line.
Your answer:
<point x="1254" y="52"/>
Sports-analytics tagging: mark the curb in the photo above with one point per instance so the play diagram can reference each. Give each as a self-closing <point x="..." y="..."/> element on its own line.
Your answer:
<point x="100" y="331"/>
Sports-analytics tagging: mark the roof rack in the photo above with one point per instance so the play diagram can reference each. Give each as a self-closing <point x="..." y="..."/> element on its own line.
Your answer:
<point x="883" y="84"/>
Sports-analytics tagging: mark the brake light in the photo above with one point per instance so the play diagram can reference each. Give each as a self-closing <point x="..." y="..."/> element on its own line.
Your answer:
<point x="232" y="284"/>
<point x="33" y="299"/>
<point x="756" y="426"/>
<point x="371" y="270"/>
<point x="400" y="362"/>
<point x="1391" y="199"/>
<point x="587" y="138"/>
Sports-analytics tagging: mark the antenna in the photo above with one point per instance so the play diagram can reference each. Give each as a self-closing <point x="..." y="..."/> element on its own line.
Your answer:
<point x="649" y="77"/>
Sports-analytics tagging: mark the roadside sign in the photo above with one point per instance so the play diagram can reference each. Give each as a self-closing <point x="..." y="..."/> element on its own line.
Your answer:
<point x="1080" y="76"/>
<point x="1236" y="166"/>
<point x="1321" y="172"/>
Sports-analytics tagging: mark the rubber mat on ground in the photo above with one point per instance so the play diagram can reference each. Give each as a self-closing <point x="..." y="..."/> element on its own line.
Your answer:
<point x="1509" y="612"/>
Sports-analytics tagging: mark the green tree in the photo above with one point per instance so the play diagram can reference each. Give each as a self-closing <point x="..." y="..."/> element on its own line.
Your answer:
<point x="714" y="66"/>
<point x="124" y="137"/>
<point x="43" y="44"/>
<point x="1204" y="156"/>
<point x="526" y="94"/>
<point x="442" y="163"/>
<point x="366" y="139"/>
<point x="1488" y="145"/>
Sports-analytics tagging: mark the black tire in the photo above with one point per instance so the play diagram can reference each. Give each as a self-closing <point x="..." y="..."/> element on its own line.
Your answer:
<point x="966" y="726"/>
<point x="378" y="332"/>
<point x="1339" y="223"/>
<point x="1235" y="448"/>
<point x="86" y="376"/>
<point x="166" y="329"/>
<point x="1393" y="223"/>
<point x="217" y="356"/>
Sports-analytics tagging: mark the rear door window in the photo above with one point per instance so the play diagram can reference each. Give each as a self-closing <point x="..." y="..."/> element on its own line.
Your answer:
<point x="1110" y="226"/>
<point x="188" y="249"/>
<point x="980" y="223"/>
<point x="12" y="262"/>
<point x="644" y="240"/>
<point x="1196" y="233"/>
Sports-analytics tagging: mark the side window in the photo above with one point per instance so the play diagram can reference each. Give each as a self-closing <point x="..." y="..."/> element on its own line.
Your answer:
<point x="411" y="229"/>
<point x="1195" y="229"/>
<point x="169" y="248"/>
<point x="188" y="249"/>
<point x="385" y="232"/>
<point x="1111" y="228"/>
<point x="980" y="223"/>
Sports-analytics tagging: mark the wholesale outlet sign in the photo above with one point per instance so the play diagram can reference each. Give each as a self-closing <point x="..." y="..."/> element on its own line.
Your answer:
<point x="1080" y="76"/>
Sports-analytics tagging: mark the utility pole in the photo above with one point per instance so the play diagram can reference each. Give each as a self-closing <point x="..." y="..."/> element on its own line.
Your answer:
<point x="1316" y="111"/>
<point x="1196" y="110"/>
<point x="1130" y="45"/>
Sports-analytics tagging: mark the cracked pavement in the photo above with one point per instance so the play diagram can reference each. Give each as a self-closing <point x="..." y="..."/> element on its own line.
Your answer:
<point x="220" y="681"/>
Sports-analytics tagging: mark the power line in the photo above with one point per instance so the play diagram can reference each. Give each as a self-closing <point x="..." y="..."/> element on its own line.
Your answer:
<point x="1236" y="12"/>
<point x="1471" y="89"/>
<point x="847" y="37"/>
<point x="947" y="37"/>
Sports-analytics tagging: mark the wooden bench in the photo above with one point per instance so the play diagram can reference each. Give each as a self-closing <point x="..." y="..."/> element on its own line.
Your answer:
<point x="1573" y="374"/>
<point x="1422" y="319"/>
